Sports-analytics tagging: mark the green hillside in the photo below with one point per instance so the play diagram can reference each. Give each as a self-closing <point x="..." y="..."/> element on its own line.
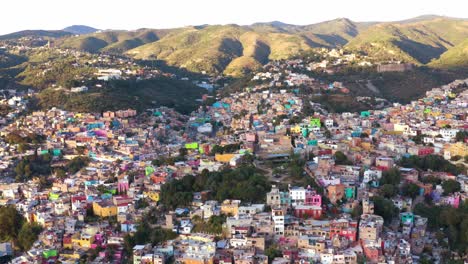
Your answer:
<point x="456" y="57"/>
<point x="417" y="42"/>
<point x="36" y="33"/>
<point x="237" y="50"/>
<point x="122" y="94"/>
<point x="208" y="49"/>
<point x="117" y="41"/>
<point x="216" y="49"/>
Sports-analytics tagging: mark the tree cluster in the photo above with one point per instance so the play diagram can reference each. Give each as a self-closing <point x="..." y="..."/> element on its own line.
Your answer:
<point x="244" y="183"/>
<point x="430" y="162"/>
<point x="452" y="221"/>
<point x="214" y="225"/>
<point x="15" y="229"/>
<point x="33" y="166"/>
<point x="385" y="208"/>
<point x="229" y="148"/>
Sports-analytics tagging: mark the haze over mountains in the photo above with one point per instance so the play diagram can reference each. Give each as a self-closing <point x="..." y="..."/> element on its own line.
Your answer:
<point x="430" y="40"/>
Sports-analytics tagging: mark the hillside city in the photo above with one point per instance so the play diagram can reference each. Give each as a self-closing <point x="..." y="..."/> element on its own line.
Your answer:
<point x="109" y="158"/>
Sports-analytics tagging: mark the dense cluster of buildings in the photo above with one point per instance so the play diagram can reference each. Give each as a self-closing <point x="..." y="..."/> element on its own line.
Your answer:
<point x="131" y="155"/>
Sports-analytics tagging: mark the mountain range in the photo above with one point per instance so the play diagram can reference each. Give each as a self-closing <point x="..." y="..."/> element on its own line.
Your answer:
<point x="80" y="29"/>
<point x="435" y="41"/>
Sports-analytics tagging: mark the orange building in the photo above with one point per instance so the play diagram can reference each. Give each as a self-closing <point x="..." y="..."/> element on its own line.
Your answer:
<point x="335" y="192"/>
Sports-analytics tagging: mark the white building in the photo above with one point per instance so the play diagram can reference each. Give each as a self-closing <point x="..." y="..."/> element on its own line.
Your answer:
<point x="278" y="220"/>
<point x="297" y="195"/>
<point x="448" y="133"/>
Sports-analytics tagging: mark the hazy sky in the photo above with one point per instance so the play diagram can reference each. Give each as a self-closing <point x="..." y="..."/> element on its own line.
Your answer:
<point x="132" y="14"/>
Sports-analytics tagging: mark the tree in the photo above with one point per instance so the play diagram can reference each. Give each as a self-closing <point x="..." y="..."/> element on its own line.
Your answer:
<point x="357" y="211"/>
<point x="11" y="222"/>
<point x="183" y="152"/>
<point x="245" y="183"/>
<point x="387" y="190"/>
<point x="384" y="208"/>
<point x="80" y="150"/>
<point x="391" y="176"/>
<point x="28" y="235"/>
<point x="450" y="223"/>
<point x="431" y="162"/>
<point x="272" y="252"/>
<point x="341" y="158"/>
<point x="60" y="173"/>
<point x="432" y="180"/>
<point x="77" y="163"/>
<point x="451" y="186"/>
<point x="411" y="190"/>
<point x="461" y="136"/>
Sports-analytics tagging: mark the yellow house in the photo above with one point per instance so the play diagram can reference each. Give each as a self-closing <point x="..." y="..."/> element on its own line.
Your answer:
<point x="366" y="145"/>
<point x="82" y="240"/>
<point x="296" y="129"/>
<point x="70" y="255"/>
<point x="230" y="207"/>
<point x="104" y="209"/>
<point x="401" y="127"/>
<point x="188" y="260"/>
<point x="225" y="158"/>
<point x="458" y="149"/>
<point x="154" y="196"/>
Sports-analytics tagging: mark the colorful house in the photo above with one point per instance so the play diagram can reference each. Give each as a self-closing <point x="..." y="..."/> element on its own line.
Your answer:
<point x="306" y="211"/>
<point x="104" y="209"/>
<point x="407" y="218"/>
<point x="82" y="240"/>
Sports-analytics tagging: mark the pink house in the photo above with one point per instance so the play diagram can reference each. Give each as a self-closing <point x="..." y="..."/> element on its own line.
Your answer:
<point x="453" y="201"/>
<point x="312" y="198"/>
<point x="123" y="186"/>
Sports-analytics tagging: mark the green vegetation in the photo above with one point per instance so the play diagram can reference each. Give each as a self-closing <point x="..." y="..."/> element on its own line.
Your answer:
<point x="16" y="137"/>
<point x="417" y="42"/>
<point x="208" y="49"/>
<point x="40" y="73"/>
<point x="239" y="50"/>
<point x="272" y="252"/>
<point x="388" y="190"/>
<point x="452" y="221"/>
<point x="455" y="57"/>
<point x="148" y="232"/>
<point x="10" y="223"/>
<point x="431" y="162"/>
<point x="72" y="166"/>
<point x="214" y="225"/>
<point x="451" y="186"/>
<point x="33" y="166"/>
<point x="410" y="190"/>
<point x="391" y="176"/>
<point x="385" y="208"/>
<point x="113" y="41"/>
<point x="462" y="136"/>
<point x="28" y="235"/>
<point x="395" y="86"/>
<point x="230" y="148"/>
<point x="15" y="229"/>
<point x="77" y="163"/>
<point x="243" y="183"/>
<point x="36" y="33"/>
<point x="123" y="94"/>
<point x="342" y="159"/>
<point x="9" y="60"/>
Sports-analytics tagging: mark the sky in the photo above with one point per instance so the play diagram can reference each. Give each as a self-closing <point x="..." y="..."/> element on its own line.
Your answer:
<point x="133" y="14"/>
